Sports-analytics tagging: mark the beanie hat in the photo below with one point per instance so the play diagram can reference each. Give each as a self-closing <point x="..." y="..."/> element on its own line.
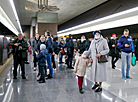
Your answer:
<point x="42" y="46"/>
<point x="96" y="32"/>
<point x="113" y="34"/>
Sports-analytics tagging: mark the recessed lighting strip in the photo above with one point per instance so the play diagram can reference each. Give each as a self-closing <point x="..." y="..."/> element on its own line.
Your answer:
<point x="98" y="20"/>
<point x="4" y="19"/>
<point x="16" y="16"/>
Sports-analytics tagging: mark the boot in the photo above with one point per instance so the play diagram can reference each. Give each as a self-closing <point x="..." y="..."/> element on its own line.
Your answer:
<point x="98" y="90"/>
<point x="81" y="91"/>
<point x="95" y="86"/>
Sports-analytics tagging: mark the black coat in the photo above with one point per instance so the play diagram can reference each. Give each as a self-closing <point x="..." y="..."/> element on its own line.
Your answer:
<point x="82" y="46"/>
<point x="114" y="51"/>
<point x="55" y="46"/>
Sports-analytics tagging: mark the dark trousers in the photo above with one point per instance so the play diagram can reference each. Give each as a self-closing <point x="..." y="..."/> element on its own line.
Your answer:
<point x="53" y="61"/>
<point x="18" y="60"/>
<point x="114" y="60"/>
<point x="26" y="59"/>
<point x="80" y="81"/>
<point x="35" y="60"/>
<point x="69" y="60"/>
<point x="42" y="72"/>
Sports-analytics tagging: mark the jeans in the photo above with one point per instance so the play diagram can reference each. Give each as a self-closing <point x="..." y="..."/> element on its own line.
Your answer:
<point x="60" y="57"/>
<point x="49" y="64"/>
<point x="126" y="58"/>
<point x="69" y="61"/>
<point x="42" y="72"/>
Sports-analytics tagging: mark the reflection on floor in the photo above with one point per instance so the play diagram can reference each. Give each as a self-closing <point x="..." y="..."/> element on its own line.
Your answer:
<point x="63" y="87"/>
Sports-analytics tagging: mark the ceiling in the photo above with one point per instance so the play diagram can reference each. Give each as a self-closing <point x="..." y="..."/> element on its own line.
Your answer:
<point x="68" y="9"/>
<point x="6" y="6"/>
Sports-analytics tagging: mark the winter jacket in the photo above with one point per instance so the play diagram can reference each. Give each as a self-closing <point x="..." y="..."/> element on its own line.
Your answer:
<point x="121" y="44"/>
<point x="88" y="44"/>
<point x="80" y="66"/>
<point x="114" y="51"/>
<point x="49" y="45"/>
<point x="38" y="45"/>
<point x="15" y="48"/>
<point x="55" y="46"/>
<point x="70" y="46"/>
<point x="42" y="57"/>
<point x="82" y="46"/>
<point x="34" y="44"/>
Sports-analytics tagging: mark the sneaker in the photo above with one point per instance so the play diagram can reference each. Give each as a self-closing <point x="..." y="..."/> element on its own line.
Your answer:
<point x="38" y="74"/>
<point x="128" y="77"/>
<point x="123" y="77"/>
<point x="34" y="69"/>
<point x="49" y="77"/>
<point x="39" y="80"/>
<point x="26" y="62"/>
<point x="42" y="81"/>
<point x="95" y="86"/>
<point x="23" y="77"/>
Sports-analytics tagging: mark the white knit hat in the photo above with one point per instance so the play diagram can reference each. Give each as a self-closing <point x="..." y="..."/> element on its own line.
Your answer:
<point x="42" y="46"/>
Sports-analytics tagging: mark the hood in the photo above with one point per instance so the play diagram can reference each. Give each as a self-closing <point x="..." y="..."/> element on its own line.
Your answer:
<point x="45" y="52"/>
<point x="124" y="36"/>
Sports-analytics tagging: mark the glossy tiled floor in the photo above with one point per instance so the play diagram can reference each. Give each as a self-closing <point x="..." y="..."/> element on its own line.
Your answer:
<point x="63" y="87"/>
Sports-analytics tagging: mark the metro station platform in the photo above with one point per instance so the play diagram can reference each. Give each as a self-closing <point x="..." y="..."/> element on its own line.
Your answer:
<point x="63" y="87"/>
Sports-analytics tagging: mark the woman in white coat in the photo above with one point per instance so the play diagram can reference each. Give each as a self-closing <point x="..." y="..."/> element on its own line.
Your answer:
<point x="98" y="72"/>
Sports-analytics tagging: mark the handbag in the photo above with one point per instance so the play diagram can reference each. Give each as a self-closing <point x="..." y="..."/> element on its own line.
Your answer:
<point x="133" y="61"/>
<point x="62" y="51"/>
<point x="103" y="58"/>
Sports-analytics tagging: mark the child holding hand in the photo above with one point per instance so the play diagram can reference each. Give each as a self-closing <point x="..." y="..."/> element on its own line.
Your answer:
<point x="80" y="69"/>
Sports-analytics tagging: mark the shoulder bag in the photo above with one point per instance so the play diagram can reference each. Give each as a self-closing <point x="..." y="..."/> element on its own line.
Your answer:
<point x="103" y="58"/>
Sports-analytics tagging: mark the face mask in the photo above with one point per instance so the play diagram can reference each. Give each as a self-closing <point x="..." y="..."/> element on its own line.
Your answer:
<point x="97" y="37"/>
<point x="83" y="56"/>
<point x="82" y="40"/>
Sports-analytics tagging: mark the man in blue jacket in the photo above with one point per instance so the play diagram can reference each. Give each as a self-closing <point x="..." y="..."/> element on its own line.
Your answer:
<point x="49" y="47"/>
<point x="41" y="56"/>
<point x="125" y="44"/>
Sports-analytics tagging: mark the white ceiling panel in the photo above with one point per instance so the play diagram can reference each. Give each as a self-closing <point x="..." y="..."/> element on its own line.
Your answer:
<point x="68" y="9"/>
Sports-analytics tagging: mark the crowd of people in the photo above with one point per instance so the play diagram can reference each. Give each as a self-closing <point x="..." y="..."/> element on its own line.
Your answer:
<point x="93" y="53"/>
